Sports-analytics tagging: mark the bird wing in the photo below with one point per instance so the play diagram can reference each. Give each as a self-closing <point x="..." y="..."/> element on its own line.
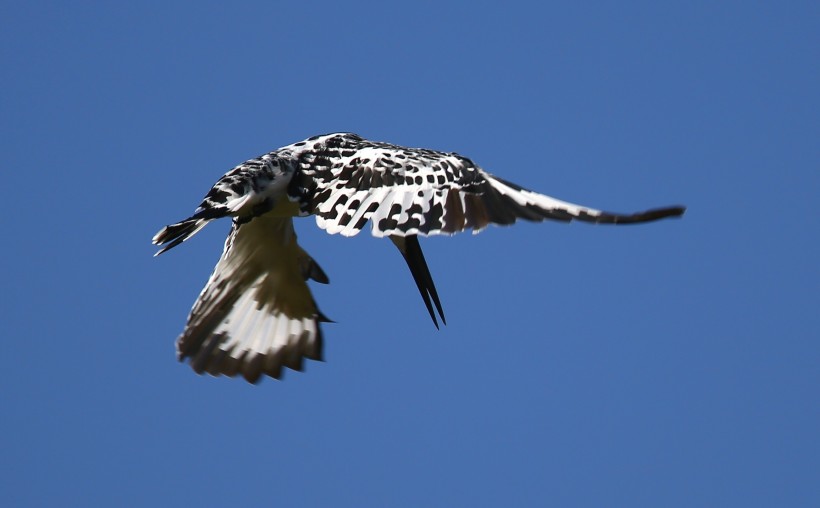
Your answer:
<point x="409" y="191"/>
<point x="346" y="181"/>
<point x="256" y="314"/>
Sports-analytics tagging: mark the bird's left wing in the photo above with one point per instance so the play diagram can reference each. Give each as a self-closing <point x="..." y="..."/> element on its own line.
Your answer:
<point x="256" y="314"/>
<point x="410" y="191"/>
<point x="346" y="181"/>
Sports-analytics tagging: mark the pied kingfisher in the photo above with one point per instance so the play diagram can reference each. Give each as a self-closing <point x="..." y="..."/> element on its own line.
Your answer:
<point x="256" y="313"/>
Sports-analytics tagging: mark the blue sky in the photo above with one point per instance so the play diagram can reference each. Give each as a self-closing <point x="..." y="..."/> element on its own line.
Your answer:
<point x="671" y="364"/>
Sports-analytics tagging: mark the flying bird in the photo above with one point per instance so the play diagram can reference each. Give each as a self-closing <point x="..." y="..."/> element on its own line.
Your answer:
<point x="256" y="314"/>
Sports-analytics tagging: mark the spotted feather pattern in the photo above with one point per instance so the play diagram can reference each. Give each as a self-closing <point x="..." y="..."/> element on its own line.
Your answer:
<point x="256" y="315"/>
<point x="347" y="181"/>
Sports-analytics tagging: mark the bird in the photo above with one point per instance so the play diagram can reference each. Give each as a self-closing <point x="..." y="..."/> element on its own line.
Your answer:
<point x="256" y="314"/>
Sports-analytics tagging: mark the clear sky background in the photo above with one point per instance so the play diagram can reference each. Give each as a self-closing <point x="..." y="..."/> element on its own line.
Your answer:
<point x="669" y="364"/>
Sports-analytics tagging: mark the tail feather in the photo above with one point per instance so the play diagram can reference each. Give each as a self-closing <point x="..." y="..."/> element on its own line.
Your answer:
<point x="172" y="235"/>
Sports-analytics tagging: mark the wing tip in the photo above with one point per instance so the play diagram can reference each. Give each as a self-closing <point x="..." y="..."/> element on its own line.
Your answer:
<point x="650" y="215"/>
<point x="207" y="357"/>
<point x="662" y="213"/>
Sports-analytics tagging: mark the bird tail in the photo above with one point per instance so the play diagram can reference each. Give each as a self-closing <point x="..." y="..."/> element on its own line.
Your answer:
<point x="174" y="234"/>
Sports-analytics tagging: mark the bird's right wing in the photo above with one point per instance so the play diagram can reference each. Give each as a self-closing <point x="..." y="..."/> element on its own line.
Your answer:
<point x="256" y="314"/>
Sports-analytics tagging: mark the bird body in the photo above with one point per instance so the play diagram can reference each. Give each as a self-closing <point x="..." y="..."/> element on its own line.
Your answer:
<point x="256" y="313"/>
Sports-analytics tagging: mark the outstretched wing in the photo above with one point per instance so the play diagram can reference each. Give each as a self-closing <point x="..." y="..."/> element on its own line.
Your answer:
<point x="347" y="181"/>
<point x="409" y="191"/>
<point x="256" y="314"/>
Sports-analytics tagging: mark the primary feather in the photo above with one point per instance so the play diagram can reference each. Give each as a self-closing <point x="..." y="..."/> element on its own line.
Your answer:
<point x="256" y="313"/>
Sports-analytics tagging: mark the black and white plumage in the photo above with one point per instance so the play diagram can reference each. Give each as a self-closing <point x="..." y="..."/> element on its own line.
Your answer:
<point x="256" y="313"/>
